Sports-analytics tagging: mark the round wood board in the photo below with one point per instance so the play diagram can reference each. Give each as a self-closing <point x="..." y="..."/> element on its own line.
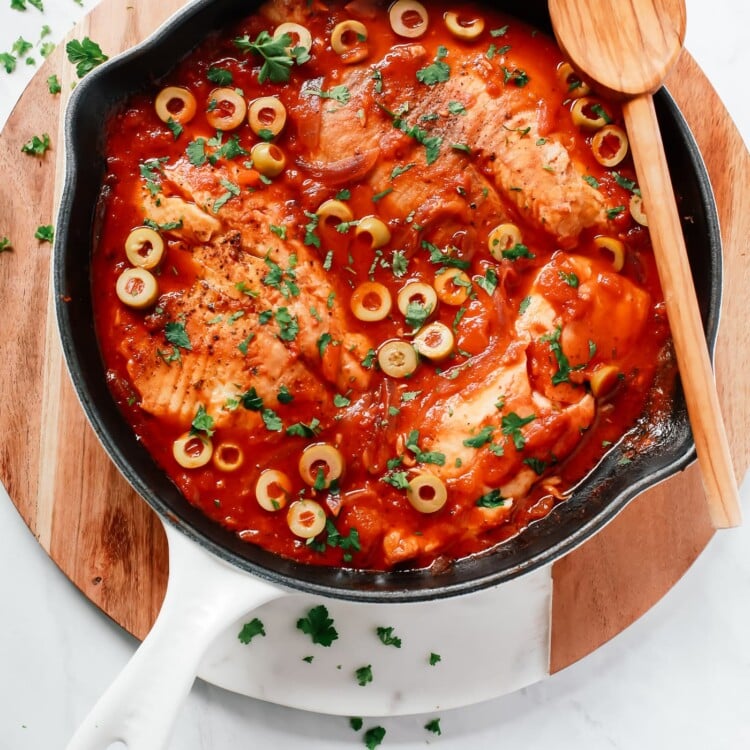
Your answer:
<point x="108" y="541"/>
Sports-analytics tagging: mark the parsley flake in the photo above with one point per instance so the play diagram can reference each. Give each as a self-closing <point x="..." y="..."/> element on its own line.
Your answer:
<point x="319" y="626"/>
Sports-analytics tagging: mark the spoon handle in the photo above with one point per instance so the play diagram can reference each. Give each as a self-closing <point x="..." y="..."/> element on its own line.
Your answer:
<point x="682" y="310"/>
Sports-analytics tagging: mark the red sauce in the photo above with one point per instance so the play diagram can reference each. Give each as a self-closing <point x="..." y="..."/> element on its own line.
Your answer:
<point x="375" y="424"/>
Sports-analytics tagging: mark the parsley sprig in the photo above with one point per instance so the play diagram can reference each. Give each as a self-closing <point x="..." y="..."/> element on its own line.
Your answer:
<point x="278" y="55"/>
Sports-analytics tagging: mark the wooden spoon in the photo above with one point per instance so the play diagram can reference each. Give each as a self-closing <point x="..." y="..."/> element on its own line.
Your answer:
<point x="625" y="48"/>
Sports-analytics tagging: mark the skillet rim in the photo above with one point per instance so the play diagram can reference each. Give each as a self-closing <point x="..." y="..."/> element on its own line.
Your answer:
<point x="367" y="586"/>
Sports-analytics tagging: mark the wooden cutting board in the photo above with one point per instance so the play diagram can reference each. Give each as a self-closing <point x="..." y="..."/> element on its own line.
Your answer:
<point x="107" y="540"/>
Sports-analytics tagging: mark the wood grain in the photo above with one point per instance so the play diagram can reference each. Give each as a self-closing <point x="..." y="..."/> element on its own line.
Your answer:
<point x="626" y="47"/>
<point x="107" y="541"/>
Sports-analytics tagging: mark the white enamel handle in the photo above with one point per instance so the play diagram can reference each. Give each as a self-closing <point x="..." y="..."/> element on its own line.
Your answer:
<point x="204" y="596"/>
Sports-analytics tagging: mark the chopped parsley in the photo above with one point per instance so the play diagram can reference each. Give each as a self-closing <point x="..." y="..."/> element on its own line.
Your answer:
<point x="37" y="145"/>
<point x="323" y="341"/>
<point x="569" y="278"/>
<point x="340" y="402"/>
<point x="387" y="638"/>
<point x="355" y="722"/>
<point x="433" y="726"/>
<point x="598" y="110"/>
<point x="498" y="32"/>
<point x="518" y="251"/>
<point x="381" y="194"/>
<point x="310" y="237"/>
<point x="202" y="422"/>
<point x="456" y="108"/>
<point x="613" y="213"/>
<point x="85" y="55"/>
<point x="363" y="675"/>
<point x="431" y="143"/>
<point x="176" y="335"/>
<point x="624" y="182"/>
<point x="483" y="437"/>
<point x="175" y="127"/>
<point x="251" y="400"/>
<point x="343" y="195"/>
<point x="319" y="626"/>
<point x="284" y="281"/>
<point x="300" y="429"/>
<point x="279" y="231"/>
<point x="488" y="282"/>
<point x="398" y="171"/>
<point x="511" y="426"/>
<point x="591" y="181"/>
<point x="339" y="94"/>
<point x="250" y="630"/>
<point x="430" y="457"/>
<point x="536" y="464"/>
<point x="278" y="56"/>
<point x="242" y="346"/>
<point x="284" y="396"/>
<point x="288" y="325"/>
<point x="220" y="76"/>
<point x="271" y="420"/>
<point x="232" y="191"/>
<point x="5" y="245"/>
<point x="374" y="737"/>
<point x="416" y="314"/>
<point x="45" y="233"/>
<point x="518" y="77"/>
<point x="438" y="71"/>
<point x="443" y="258"/>
<point x="524" y="305"/>
<point x="396" y="479"/>
<point x="53" y="84"/>
<point x="493" y="499"/>
<point x="434" y="659"/>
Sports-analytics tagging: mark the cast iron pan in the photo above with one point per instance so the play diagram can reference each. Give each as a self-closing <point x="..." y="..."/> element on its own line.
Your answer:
<point x="593" y="503"/>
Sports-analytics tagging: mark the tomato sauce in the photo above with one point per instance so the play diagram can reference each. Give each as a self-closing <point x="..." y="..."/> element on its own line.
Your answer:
<point x="371" y="522"/>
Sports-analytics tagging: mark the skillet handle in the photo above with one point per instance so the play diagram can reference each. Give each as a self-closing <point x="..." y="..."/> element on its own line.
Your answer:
<point x="204" y="596"/>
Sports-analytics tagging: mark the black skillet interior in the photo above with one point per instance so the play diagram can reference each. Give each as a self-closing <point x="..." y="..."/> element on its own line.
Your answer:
<point x="595" y="502"/>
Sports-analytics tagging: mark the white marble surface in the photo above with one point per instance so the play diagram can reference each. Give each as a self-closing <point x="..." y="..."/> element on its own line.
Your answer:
<point x="678" y="678"/>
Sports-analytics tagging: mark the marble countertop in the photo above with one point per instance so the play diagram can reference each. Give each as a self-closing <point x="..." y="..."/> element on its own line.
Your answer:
<point x="679" y="677"/>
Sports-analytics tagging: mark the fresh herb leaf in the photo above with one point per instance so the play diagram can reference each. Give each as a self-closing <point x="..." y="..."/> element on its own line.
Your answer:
<point x="518" y="251"/>
<point x="364" y="675"/>
<point x="387" y="638"/>
<point x="536" y="464"/>
<point x="176" y="334"/>
<point x="175" y="127"/>
<point x="242" y="346"/>
<point x="319" y="626"/>
<point x="489" y="281"/>
<point x="569" y="278"/>
<point x="271" y="420"/>
<point x="443" y="258"/>
<point x="202" y="422"/>
<point x="382" y="194"/>
<point x="85" y="55"/>
<point x="416" y="314"/>
<point x="340" y="402"/>
<point x="300" y="429"/>
<point x="251" y="400"/>
<point x="284" y="396"/>
<point x="288" y="325"/>
<point x="250" y="630"/>
<point x="196" y="152"/>
<point x="438" y="71"/>
<point x="310" y="237"/>
<point x="591" y="181"/>
<point x="613" y="213"/>
<point x="483" y="437"/>
<point x="220" y="76"/>
<point x="599" y="111"/>
<point x="396" y="479"/>
<point x="45" y="233"/>
<point x="512" y="424"/>
<point x="524" y="305"/>
<point x="624" y="182"/>
<point x="434" y="659"/>
<point x="278" y="55"/>
<point x="493" y="499"/>
<point x="339" y="94"/>
<point x="430" y="457"/>
<point x="456" y="108"/>
<point x="323" y="341"/>
<point x="398" y="171"/>
<point x="518" y="77"/>
<point x="433" y="726"/>
<point x="37" y="145"/>
<point x="53" y="84"/>
<point x="355" y="722"/>
<point x="374" y="737"/>
<point x="498" y="32"/>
